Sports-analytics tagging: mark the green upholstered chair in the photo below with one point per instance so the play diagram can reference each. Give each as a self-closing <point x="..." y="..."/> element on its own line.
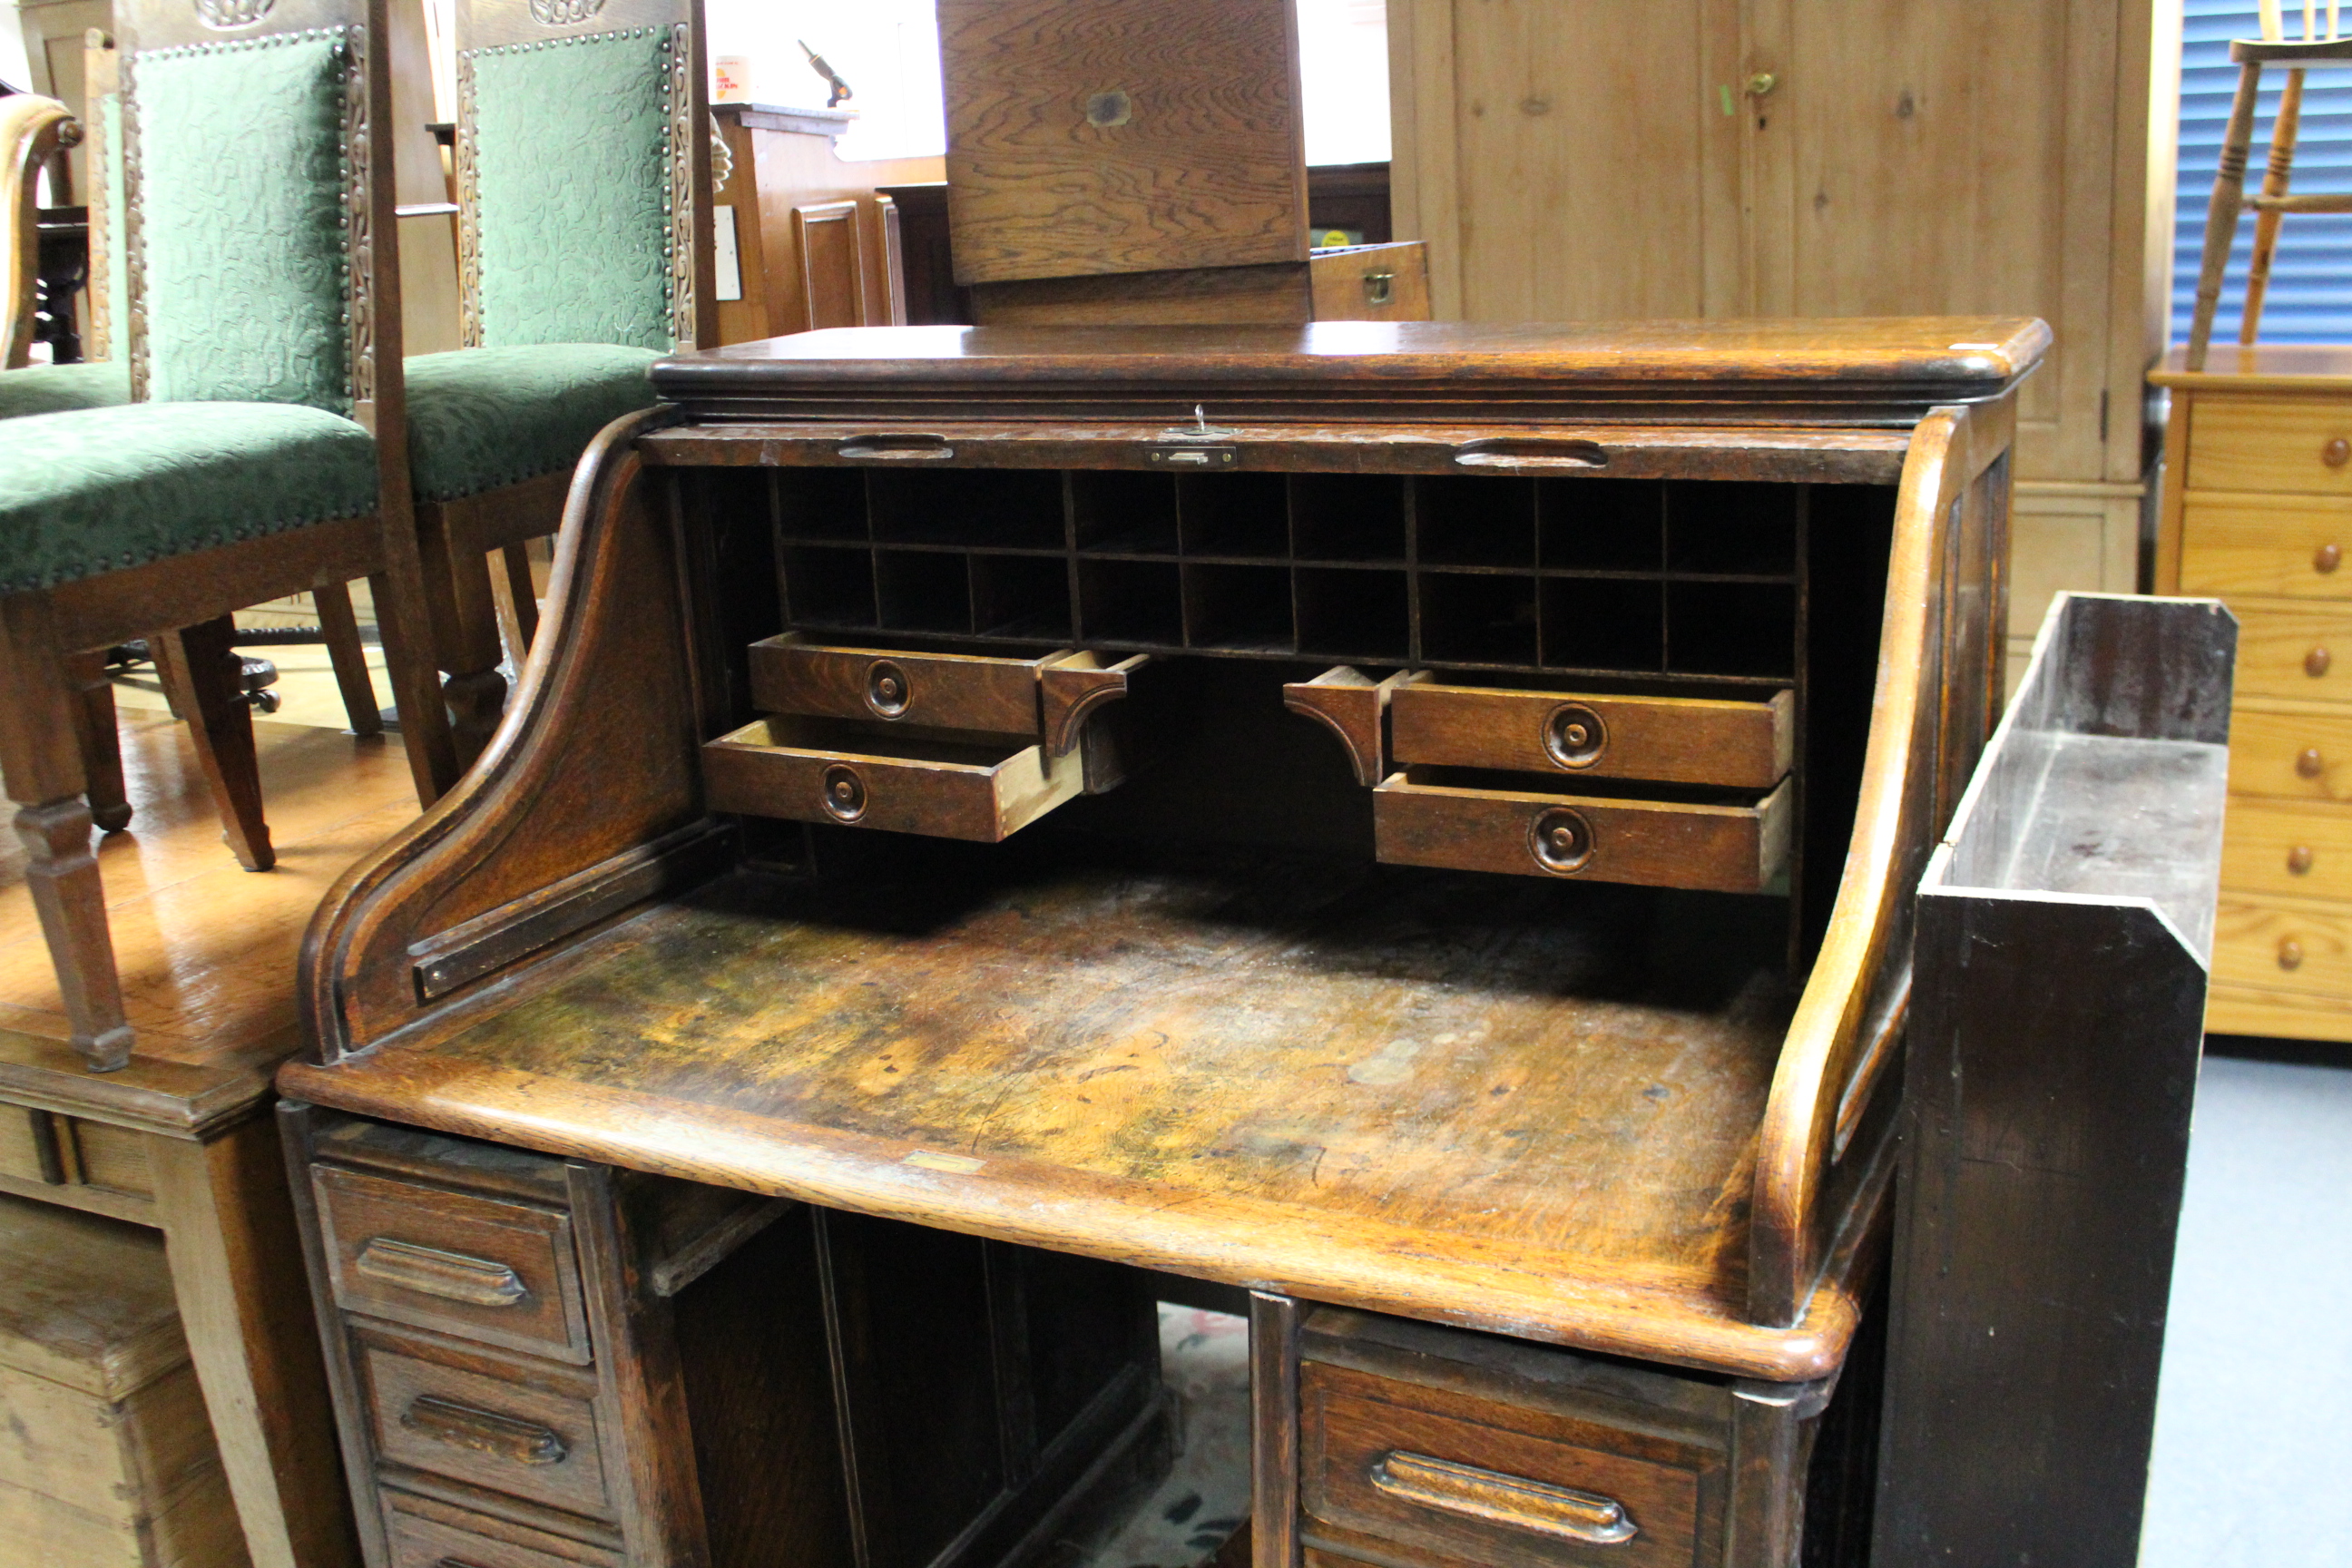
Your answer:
<point x="583" y="164"/>
<point x="102" y="380"/>
<point x="264" y="455"/>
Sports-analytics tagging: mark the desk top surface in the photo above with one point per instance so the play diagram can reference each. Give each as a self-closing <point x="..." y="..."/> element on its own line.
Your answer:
<point x="1918" y="359"/>
<point x="1524" y="1107"/>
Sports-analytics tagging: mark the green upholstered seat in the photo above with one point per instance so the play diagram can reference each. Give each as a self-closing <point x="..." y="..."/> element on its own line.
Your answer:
<point x="55" y="388"/>
<point x="99" y="490"/>
<point x="482" y="419"/>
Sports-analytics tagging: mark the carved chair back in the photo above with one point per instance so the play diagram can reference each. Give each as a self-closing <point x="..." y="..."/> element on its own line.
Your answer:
<point x="258" y="198"/>
<point x="583" y="172"/>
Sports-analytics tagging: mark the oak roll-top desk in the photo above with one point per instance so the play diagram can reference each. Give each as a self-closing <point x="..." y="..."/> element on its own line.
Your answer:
<point x="1416" y="822"/>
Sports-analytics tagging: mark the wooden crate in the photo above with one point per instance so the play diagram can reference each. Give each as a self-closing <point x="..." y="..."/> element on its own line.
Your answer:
<point x="106" y="1457"/>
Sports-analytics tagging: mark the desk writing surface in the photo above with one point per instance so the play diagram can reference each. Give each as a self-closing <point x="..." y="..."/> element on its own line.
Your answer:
<point x="1524" y="1106"/>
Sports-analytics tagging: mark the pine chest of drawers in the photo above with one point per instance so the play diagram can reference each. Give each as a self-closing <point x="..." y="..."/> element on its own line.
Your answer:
<point x="2258" y="512"/>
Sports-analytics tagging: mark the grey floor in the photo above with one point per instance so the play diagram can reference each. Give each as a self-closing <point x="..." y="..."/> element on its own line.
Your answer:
<point x="2253" y="1428"/>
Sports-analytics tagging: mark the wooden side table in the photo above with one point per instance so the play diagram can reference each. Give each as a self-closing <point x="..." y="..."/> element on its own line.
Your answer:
<point x="2258" y="512"/>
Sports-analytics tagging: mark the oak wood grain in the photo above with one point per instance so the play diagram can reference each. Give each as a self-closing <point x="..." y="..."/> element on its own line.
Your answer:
<point x="1111" y="136"/>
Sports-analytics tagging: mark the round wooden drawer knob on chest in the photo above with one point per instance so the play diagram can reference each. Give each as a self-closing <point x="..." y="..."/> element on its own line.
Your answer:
<point x="2290" y="953"/>
<point x="2316" y="662"/>
<point x="2336" y="453"/>
<point x="2326" y="559"/>
<point x="2298" y="860"/>
<point x="2309" y="763"/>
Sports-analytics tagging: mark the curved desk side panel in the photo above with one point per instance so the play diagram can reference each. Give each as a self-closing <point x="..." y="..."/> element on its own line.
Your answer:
<point x="588" y="800"/>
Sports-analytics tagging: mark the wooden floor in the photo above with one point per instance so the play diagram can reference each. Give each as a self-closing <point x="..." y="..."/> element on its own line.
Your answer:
<point x="206" y="948"/>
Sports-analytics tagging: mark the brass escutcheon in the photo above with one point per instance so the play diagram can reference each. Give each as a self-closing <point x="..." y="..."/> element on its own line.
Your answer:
<point x="844" y="794"/>
<point x="2298" y="860"/>
<point x="1561" y="841"/>
<point x="1575" y="736"/>
<point x="886" y="689"/>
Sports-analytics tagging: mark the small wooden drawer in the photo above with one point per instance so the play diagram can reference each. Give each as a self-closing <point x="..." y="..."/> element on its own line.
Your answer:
<point x="2283" y="944"/>
<point x="2232" y="548"/>
<point x="1662" y="740"/>
<point x="2284" y="846"/>
<point x="2300" y="446"/>
<point x="814" y="770"/>
<point x="1658" y="844"/>
<point x="937" y="690"/>
<point x="485" y="1269"/>
<point x="506" y="1428"/>
<point x="1485" y="1482"/>
<point x="2291" y="753"/>
<point x="427" y="1534"/>
<point x="2297" y="654"/>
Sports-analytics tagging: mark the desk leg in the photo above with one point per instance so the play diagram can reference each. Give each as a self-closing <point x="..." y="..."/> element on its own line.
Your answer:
<point x="1274" y="1430"/>
<point x="236" y="1268"/>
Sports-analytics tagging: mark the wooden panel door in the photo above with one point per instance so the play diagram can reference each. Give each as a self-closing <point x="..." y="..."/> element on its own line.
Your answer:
<point x="1570" y="159"/>
<point x="1953" y="156"/>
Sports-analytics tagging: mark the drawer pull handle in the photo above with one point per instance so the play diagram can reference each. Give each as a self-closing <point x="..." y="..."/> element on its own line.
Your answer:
<point x="451" y="1276"/>
<point x="895" y="449"/>
<point x="1575" y="736"/>
<point x="2309" y="764"/>
<point x="2298" y="860"/>
<point x="1561" y="839"/>
<point x="844" y="794"/>
<point x="1530" y="452"/>
<point x="2316" y="662"/>
<point x="2326" y="559"/>
<point x="483" y="1431"/>
<point x="1563" y="1513"/>
<point x="2290" y="953"/>
<point x="2336" y="453"/>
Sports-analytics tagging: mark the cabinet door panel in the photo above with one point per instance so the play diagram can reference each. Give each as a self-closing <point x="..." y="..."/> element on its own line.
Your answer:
<point x="1594" y="169"/>
<point x="1952" y="157"/>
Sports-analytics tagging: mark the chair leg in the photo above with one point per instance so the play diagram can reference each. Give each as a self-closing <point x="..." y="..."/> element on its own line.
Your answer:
<point x="221" y="725"/>
<point x="466" y="627"/>
<point x="525" y="593"/>
<point x="101" y="747"/>
<point x="40" y="763"/>
<point x="169" y="675"/>
<point x="2222" y="213"/>
<point x="2285" y="131"/>
<point x="341" y="627"/>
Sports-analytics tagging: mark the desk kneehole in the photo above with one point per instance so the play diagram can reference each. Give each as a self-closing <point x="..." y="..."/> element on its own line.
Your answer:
<point x="1418" y="820"/>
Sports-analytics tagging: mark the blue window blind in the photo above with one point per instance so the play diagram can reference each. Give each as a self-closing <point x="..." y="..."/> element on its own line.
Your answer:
<point x="2310" y="299"/>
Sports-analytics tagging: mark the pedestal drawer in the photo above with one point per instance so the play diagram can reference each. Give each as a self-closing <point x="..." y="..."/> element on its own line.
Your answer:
<point x="2283" y="944"/>
<point x="508" y="1429"/>
<point x="958" y="786"/>
<point x="2232" y="548"/>
<point x="2302" y="655"/>
<point x="485" y="1269"/>
<point x="2290" y="848"/>
<point x="1488" y="1483"/>
<point x="427" y="1534"/>
<point x="1536" y="833"/>
<point x="1662" y="740"/>
<point x="2292" y="444"/>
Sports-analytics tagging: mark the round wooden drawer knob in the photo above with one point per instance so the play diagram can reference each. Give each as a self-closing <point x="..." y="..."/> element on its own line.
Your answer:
<point x="2298" y="860"/>
<point x="2290" y="953"/>
<point x="2316" y="662"/>
<point x="2326" y="558"/>
<point x="2309" y="764"/>
<point x="2336" y="453"/>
